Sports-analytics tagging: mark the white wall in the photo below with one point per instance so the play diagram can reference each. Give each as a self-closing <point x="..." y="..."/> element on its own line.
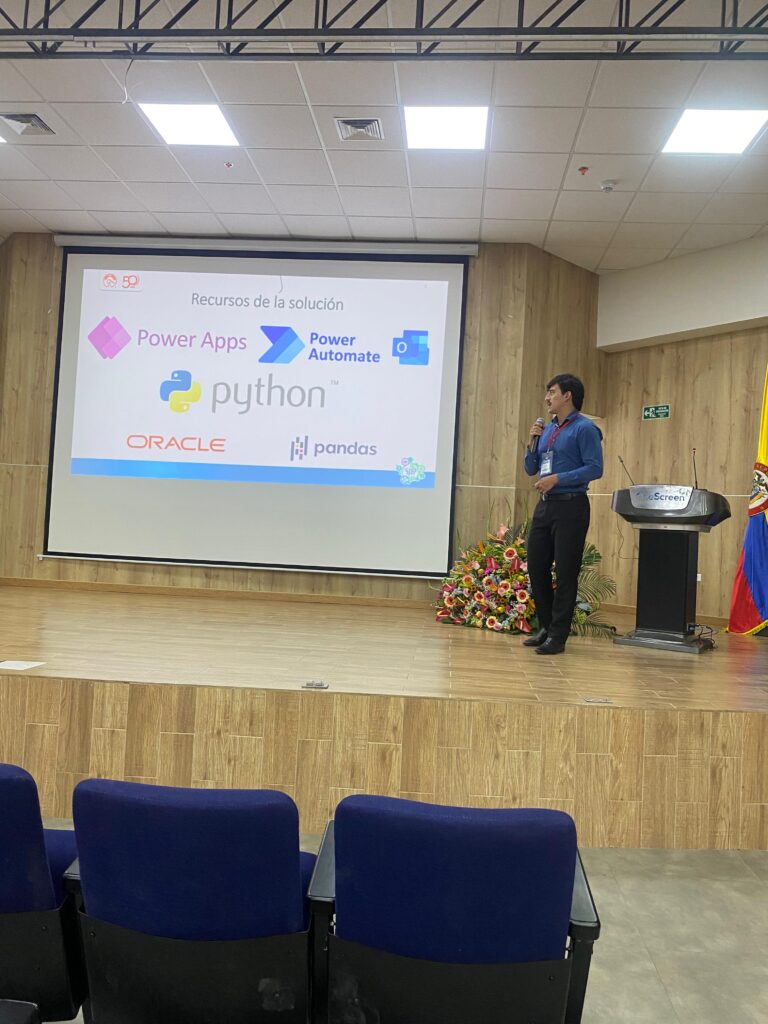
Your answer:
<point x="702" y="293"/>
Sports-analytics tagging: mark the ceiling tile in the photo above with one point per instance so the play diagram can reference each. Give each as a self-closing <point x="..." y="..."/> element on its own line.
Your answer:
<point x="391" y="123"/>
<point x="705" y="236"/>
<point x="686" y="172"/>
<point x="191" y="223"/>
<point x="252" y="83"/>
<point x="168" y="197"/>
<point x="445" y="84"/>
<point x="646" y="83"/>
<point x="372" y="83"/>
<point x="292" y="166"/>
<point x="626" y="171"/>
<point x="735" y="209"/>
<point x="648" y="236"/>
<point x="38" y="195"/>
<point x="626" y="131"/>
<point x="749" y="175"/>
<point x="663" y="207"/>
<point x="375" y="202"/>
<point x="731" y="85"/>
<point x="525" y="170"/>
<point x="532" y="231"/>
<point x="63" y="135"/>
<point x="142" y="163"/>
<point x="210" y="163"/>
<point x="317" y="200"/>
<point x="519" y="203"/>
<point x="382" y="227"/>
<point x="15" y="165"/>
<point x="128" y="223"/>
<point x="618" y="258"/>
<point x="73" y="81"/>
<point x="237" y="198"/>
<point x="108" y="124"/>
<point x="273" y="127"/>
<point x="6" y="204"/>
<point x="13" y="84"/>
<point x="73" y="163"/>
<point x="68" y="220"/>
<point x="18" y="220"/>
<point x="456" y="203"/>
<point x="592" y="206"/>
<point x="587" y="256"/>
<point x="543" y="84"/>
<point x="250" y="224"/>
<point x="173" y="81"/>
<point x="568" y="232"/>
<point x="534" y="129"/>
<point x="103" y="195"/>
<point x="449" y="168"/>
<point x="318" y="227"/>
<point x="355" y="167"/>
<point x="444" y="229"/>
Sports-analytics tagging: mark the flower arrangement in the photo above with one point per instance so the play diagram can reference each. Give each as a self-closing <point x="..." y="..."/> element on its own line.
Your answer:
<point x="489" y="587"/>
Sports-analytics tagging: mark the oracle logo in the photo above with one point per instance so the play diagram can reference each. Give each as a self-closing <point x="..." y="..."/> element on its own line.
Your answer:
<point x="188" y="443"/>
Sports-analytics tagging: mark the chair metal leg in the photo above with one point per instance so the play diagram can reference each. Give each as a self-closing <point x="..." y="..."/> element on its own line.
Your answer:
<point x="581" y="956"/>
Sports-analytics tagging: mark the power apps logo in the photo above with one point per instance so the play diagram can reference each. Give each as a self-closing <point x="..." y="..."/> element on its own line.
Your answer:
<point x="412" y="349"/>
<point x="180" y="391"/>
<point x="286" y="345"/>
<point x="109" y="337"/>
<point x="299" y="446"/>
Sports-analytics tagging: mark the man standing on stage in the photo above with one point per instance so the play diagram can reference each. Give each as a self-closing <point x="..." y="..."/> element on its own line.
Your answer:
<point x="567" y="455"/>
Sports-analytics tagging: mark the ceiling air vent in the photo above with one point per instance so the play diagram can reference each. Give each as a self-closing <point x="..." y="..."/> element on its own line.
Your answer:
<point x="351" y="129"/>
<point x="26" y="124"/>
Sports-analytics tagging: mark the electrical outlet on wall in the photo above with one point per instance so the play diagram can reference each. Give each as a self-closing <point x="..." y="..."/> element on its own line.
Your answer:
<point x="698" y="577"/>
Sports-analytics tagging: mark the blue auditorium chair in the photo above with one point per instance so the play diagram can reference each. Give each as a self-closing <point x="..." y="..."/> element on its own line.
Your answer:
<point x="39" y="946"/>
<point x="193" y="904"/>
<point x="449" y="915"/>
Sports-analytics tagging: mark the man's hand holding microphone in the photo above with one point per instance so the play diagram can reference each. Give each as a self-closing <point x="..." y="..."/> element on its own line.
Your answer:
<point x="545" y="483"/>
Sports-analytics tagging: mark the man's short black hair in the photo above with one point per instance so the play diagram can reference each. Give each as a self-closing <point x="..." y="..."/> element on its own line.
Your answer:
<point x="568" y="382"/>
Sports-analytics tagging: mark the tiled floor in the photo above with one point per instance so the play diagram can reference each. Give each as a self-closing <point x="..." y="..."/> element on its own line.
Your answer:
<point x="684" y="938"/>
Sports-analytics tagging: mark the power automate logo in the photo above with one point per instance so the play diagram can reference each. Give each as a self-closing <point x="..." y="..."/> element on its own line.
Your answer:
<point x="285" y="345"/>
<point x="179" y="391"/>
<point x="412" y="349"/>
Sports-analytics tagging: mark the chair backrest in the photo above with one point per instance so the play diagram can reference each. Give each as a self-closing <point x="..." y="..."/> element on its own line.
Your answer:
<point x="189" y="863"/>
<point x="25" y="877"/>
<point x="451" y="884"/>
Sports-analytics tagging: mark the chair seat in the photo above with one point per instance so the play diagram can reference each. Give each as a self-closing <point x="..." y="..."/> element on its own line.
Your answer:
<point x="13" y="1012"/>
<point x="61" y="849"/>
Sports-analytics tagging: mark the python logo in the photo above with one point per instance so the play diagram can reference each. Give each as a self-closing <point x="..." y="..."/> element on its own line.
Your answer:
<point x="286" y="345"/>
<point x="179" y="391"/>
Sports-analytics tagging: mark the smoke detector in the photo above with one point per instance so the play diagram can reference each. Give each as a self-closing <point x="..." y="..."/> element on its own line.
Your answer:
<point x="353" y="129"/>
<point x="608" y="185"/>
<point x="26" y="124"/>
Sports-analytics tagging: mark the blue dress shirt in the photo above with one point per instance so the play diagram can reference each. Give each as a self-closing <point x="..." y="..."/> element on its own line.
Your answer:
<point x="578" y="453"/>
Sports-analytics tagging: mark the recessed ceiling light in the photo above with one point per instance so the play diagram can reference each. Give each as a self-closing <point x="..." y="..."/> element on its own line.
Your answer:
<point x="715" y="131"/>
<point x="190" y="124"/>
<point x="446" y="127"/>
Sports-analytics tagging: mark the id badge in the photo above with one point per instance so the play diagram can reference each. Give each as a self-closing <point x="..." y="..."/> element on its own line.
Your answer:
<point x="546" y="464"/>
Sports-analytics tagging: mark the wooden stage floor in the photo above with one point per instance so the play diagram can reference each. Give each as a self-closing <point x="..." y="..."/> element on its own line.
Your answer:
<point x="644" y="748"/>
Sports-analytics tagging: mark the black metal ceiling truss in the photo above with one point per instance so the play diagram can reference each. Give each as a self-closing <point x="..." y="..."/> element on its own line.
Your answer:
<point x="384" y="30"/>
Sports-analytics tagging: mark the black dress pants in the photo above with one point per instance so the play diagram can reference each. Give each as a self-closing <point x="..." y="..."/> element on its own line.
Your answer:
<point x="557" y="534"/>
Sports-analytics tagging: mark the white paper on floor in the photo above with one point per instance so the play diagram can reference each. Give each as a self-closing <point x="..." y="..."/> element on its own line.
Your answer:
<point x="19" y="666"/>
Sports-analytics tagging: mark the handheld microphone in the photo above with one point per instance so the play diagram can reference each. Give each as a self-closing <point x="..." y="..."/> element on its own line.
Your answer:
<point x="695" y="477"/>
<point x="624" y="467"/>
<point x="534" y="443"/>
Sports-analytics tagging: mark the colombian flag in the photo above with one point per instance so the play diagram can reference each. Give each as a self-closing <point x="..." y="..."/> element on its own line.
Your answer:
<point x="749" y="603"/>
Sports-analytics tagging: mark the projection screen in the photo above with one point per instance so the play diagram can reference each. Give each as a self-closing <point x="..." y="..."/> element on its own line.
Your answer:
<point x="257" y="409"/>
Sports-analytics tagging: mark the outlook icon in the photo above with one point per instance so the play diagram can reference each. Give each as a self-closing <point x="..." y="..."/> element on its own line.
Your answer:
<point x="412" y="348"/>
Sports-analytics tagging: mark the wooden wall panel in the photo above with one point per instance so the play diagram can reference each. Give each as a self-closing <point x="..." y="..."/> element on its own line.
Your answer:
<point x="629" y="777"/>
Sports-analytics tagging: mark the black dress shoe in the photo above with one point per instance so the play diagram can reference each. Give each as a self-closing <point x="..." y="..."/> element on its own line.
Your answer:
<point x="551" y="646"/>
<point x="535" y="639"/>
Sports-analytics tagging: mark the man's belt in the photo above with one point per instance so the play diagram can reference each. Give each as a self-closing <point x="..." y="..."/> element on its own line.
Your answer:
<point x="567" y="496"/>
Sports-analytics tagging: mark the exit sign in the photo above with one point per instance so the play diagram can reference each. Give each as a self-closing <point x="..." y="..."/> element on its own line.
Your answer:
<point x="655" y="412"/>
